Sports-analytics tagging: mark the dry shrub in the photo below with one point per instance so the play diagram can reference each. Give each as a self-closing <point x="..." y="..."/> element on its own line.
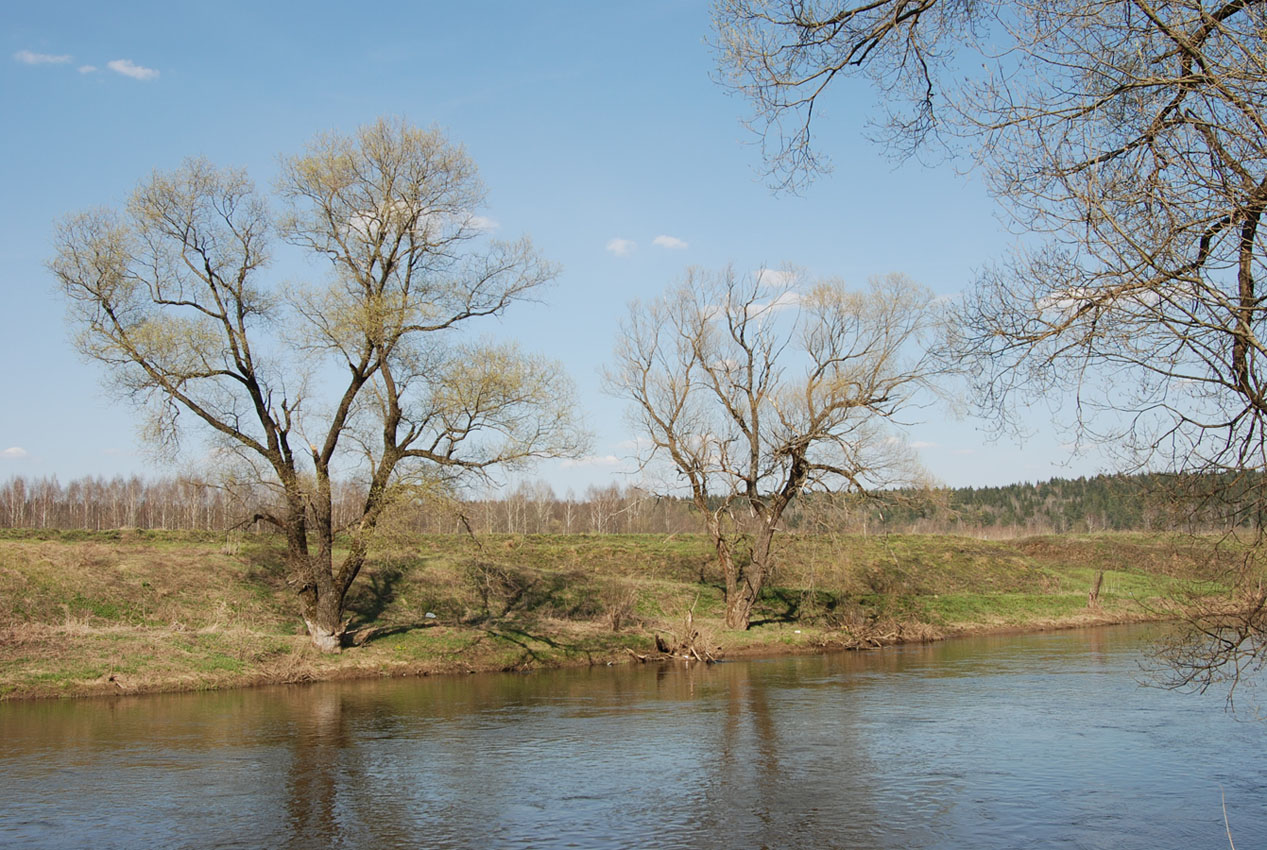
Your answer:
<point x="885" y="631"/>
<point x="846" y="615"/>
<point x="620" y="602"/>
<point x="232" y="543"/>
<point x="691" y="640"/>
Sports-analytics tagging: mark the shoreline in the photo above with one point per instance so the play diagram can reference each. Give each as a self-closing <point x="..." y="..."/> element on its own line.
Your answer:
<point x="98" y="615"/>
<point x="116" y="686"/>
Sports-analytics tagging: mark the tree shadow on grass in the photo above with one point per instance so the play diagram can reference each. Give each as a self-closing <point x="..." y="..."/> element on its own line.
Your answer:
<point x="369" y="634"/>
<point x="520" y="636"/>
<point x="778" y="605"/>
<point x="371" y="598"/>
<point x="789" y="605"/>
<point x="506" y="590"/>
<point x="529" y="640"/>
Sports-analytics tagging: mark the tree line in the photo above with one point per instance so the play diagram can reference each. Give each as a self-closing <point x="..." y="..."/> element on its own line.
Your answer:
<point x="1143" y="502"/>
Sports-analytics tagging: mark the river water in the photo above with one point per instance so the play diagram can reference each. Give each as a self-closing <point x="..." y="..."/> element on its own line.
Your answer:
<point x="1022" y="741"/>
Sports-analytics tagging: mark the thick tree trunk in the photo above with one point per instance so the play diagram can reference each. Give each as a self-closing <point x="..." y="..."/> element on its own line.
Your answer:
<point x="1093" y="596"/>
<point x="744" y="581"/>
<point x="321" y="597"/>
<point x="323" y="614"/>
<point x="322" y="592"/>
<point x="738" y="601"/>
<point x="744" y="577"/>
<point x="739" y="604"/>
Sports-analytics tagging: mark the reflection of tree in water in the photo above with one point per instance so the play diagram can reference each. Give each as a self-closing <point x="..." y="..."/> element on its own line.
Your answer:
<point x="787" y="762"/>
<point x="396" y="764"/>
<point x="332" y="800"/>
<point x="312" y="788"/>
<point x="963" y="743"/>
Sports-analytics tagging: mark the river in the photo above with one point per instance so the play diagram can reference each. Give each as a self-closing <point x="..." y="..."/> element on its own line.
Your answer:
<point x="1044" y="740"/>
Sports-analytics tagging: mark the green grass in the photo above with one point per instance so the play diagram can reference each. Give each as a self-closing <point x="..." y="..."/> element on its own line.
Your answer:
<point x="136" y="611"/>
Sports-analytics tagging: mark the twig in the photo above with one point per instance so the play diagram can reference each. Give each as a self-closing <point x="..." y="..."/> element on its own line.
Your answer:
<point x="1226" y="825"/>
<point x="466" y="523"/>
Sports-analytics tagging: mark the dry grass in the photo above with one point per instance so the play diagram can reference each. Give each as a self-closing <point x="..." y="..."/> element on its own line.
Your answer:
<point x="146" y="612"/>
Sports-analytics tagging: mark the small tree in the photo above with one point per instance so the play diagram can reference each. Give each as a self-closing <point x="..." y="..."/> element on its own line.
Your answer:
<point x="168" y="294"/>
<point x="754" y="393"/>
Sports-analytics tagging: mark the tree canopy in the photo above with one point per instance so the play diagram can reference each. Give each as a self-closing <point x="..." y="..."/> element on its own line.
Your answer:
<point x="360" y="374"/>
<point x="751" y="392"/>
<point x="1128" y="141"/>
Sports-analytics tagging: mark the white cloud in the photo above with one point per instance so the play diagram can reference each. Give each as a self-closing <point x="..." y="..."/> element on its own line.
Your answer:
<point x="15" y="453"/>
<point x="775" y="277"/>
<point x="128" y="68"/>
<point x="88" y="69"/>
<point x="782" y="301"/>
<point x="401" y="215"/>
<point x="27" y="57"/>
<point x="670" y="242"/>
<point x="621" y="247"/>
<point x="481" y="222"/>
<point x="593" y="460"/>
<point x="785" y="299"/>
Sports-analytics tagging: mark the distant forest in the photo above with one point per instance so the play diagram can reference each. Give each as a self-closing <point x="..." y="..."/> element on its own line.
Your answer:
<point x="1146" y="502"/>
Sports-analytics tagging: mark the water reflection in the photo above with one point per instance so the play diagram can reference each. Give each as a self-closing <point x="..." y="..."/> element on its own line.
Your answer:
<point x="317" y="770"/>
<point x="989" y="743"/>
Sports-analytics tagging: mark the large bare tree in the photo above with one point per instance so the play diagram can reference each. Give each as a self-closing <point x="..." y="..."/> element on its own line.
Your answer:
<point x="1129" y="140"/>
<point x="364" y="375"/>
<point x="751" y="393"/>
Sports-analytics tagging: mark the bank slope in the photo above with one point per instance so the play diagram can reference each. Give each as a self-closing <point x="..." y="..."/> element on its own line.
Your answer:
<point x="131" y="611"/>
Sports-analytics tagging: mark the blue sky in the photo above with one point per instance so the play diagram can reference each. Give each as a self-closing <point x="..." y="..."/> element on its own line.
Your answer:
<point x="596" y="127"/>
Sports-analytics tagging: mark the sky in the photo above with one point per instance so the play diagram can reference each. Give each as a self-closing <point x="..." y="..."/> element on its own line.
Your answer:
<point x="598" y="128"/>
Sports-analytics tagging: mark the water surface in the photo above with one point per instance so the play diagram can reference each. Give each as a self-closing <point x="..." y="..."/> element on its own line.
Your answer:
<point x="1042" y="740"/>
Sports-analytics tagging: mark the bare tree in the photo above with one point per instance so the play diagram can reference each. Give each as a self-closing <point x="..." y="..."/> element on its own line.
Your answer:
<point x="168" y="293"/>
<point x="753" y="393"/>
<point x="1129" y="140"/>
<point x="1130" y="135"/>
<point x="784" y="56"/>
<point x="569" y="511"/>
<point x="605" y="507"/>
<point x="543" y="502"/>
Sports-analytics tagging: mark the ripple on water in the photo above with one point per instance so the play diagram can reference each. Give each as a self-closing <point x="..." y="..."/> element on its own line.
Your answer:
<point x="1030" y="741"/>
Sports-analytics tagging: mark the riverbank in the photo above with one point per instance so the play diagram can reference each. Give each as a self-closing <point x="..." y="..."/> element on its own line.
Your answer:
<point x="113" y="612"/>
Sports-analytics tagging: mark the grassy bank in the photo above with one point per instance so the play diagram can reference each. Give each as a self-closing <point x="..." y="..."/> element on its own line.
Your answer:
<point x="126" y="612"/>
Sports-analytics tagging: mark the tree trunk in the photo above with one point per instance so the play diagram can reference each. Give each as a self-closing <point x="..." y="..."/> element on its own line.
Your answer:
<point x="323" y="614"/>
<point x="744" y="581"/>
<point x="1093" y="596"/>
<point x="739" y="604"/>
<point x="320" y="595"/>
<point x="738" y="600"/>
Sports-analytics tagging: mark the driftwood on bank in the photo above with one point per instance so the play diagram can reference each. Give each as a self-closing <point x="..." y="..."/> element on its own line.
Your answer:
<point x="690" y="647"/>
<point x="680" y="654"/>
